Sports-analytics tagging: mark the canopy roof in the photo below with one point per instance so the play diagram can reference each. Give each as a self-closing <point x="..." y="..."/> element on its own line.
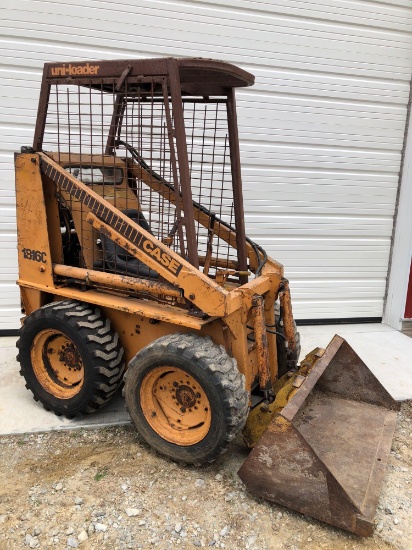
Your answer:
<point x="197" y="76"/>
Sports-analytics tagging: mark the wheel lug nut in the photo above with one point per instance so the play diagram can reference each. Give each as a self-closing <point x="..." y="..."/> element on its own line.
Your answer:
<point x="182" y="409"/>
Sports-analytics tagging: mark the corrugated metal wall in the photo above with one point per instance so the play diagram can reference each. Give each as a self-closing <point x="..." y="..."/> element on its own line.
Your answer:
<point x="321" y="131"/>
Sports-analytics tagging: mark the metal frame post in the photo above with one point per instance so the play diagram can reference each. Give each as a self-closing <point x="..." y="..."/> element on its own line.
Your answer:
<point x="181" y="147"/>
<point x="41" y="112"/>
<point x="237" y="184"/>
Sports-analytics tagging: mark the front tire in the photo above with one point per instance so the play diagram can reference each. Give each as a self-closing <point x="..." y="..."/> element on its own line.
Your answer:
<point x="70" y="357"/>
<point x="186" y="397"/>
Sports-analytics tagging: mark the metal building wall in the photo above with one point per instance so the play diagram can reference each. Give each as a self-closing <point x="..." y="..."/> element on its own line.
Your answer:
<point x="321" y="131"/>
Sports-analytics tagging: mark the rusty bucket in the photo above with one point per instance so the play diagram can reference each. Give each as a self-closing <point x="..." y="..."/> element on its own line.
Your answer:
<point x="325" y="453"/>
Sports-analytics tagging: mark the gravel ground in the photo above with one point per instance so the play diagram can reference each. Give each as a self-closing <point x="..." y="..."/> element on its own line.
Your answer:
<point x="106" y="489"/>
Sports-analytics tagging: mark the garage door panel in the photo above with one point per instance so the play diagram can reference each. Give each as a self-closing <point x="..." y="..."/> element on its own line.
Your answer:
<point x="280" y="195"/>
<point x="195" y="42"/>
<point x="308" y="135"/>
<point x="326" y="309"/>
<point x="321" y="132"/>
<point x="331" y="86"/>
<point x="206" y="25"/>
<point x="317" y="273"/>
<point x="273" y="208"/>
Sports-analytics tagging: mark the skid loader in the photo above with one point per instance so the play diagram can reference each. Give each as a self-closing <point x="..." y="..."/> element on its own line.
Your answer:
<point x="135" y="270"/>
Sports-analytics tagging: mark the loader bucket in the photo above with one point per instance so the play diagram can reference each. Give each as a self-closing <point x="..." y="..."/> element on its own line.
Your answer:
<point x="325" y="453"/>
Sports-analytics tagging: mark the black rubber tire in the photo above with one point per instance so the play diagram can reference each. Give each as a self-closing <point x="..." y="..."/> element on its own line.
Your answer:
<point x="287" y="360"/>
<point x="98" y="345"/>
<point x="220" y="379"/>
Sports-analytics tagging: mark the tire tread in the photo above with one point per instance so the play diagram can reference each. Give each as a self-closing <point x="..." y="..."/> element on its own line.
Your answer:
<point x="214" y="361"/>
<point x="103" y="346"/>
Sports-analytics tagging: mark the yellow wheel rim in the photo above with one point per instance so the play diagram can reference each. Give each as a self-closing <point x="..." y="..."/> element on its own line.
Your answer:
<point x="175" y="405"/>
<point x="57" y="364"/>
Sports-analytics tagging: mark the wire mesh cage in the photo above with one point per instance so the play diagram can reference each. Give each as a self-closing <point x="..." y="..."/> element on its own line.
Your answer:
<point x="122" y="143"/>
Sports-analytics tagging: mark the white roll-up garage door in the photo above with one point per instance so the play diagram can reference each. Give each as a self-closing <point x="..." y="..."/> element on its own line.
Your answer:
<point x="321" y="131"/>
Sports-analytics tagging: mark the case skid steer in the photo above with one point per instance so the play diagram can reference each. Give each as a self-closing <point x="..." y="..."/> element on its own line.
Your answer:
<point x="134" y="268"/>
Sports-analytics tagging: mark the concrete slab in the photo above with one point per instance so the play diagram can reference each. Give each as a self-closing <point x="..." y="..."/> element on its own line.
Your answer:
<point x="385" y="351"/>
<point x="19" y="413"/>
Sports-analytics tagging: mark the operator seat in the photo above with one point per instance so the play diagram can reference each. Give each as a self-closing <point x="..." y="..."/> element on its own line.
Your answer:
<point x="118" y="260"/>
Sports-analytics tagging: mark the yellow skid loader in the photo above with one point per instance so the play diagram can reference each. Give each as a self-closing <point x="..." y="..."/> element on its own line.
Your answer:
<point x="134" y="269"/>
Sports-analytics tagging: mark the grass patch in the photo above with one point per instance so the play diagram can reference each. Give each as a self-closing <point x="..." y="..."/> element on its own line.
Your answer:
<point x="101" y="473"/>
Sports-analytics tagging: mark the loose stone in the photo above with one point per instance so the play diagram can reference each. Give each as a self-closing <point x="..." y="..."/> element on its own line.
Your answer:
<point x="82" y="536"/>
<point x="132" y="512"/>
<point x="225" y="531"/>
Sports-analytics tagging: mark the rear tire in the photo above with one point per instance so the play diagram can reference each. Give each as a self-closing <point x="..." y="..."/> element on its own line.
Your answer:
<point x="70" y="358"/>
<point x="186" y="397"/>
